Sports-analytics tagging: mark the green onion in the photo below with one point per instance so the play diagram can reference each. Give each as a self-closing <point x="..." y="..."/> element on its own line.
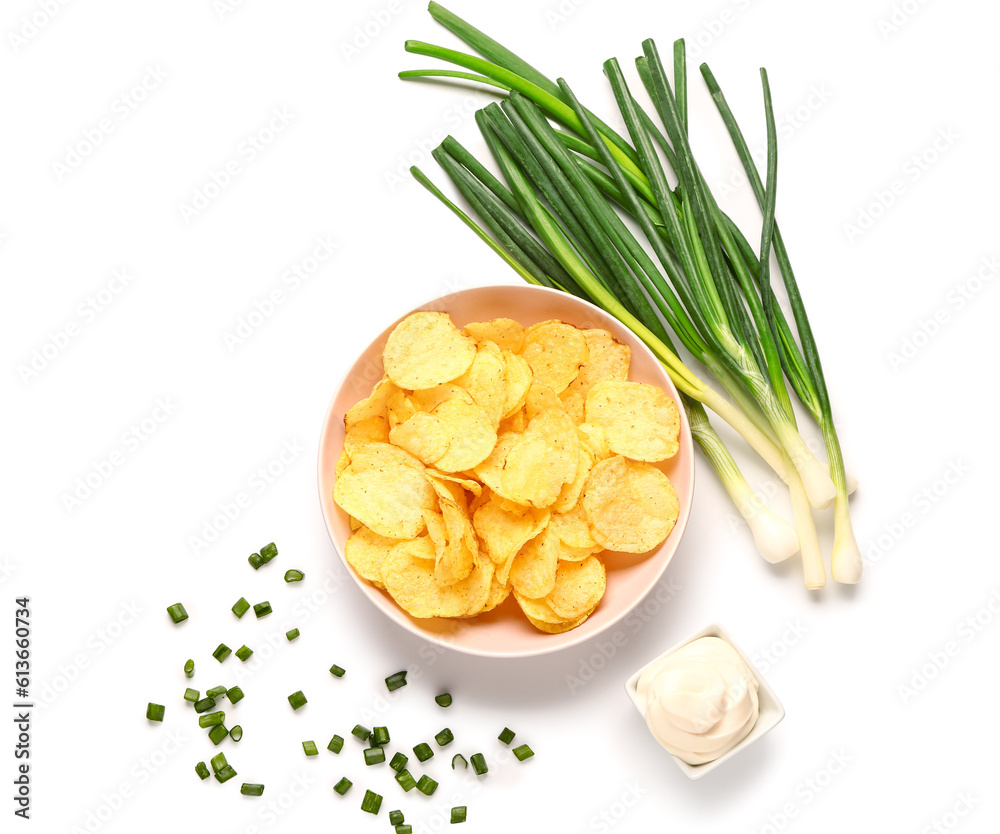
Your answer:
<point x="236" y="734"/>
<point x="191" y="695"/>
<point x="371" y="803"/>
<point x="204" y="705"/>
<point x="202" y="770"/>
<point x="155" y="712"/>
<point x="240" y="607"/>
<point x="189" y="669"/>
<point x="507" y="736"/>
<point x="395" y="681"/>
<point x="336" y="744"/>
<point x="268" y="552"/>
<point x="222" y="652"/>
<point x="218" y="733"/>
<point x="406" y="781"/>
<point x="523" y="752"/>
<point x="445" y="737"/>
<point x="224" y="774"/>
<point x="395" y="818"/>
<point x="423" y="752"/>
<point x="361" y="732"/>
<point x="218" y="762"/>
<point x="404" y="829"/>
<point x="210" y="719"/>
<point x="479" y="763"/>
<point x="374" y="755"/>
<point x="243" y="653"/>
<point x="336" y="671"/>
<point x="426" y="785"/>
<point x="216" y="692"/>
<point x="255" y="561"/>
<point x="309" y="747"/>
<point x="380" y="736"/>
<point x="343" y="786"/>
<point x="443" y="700"/>
<point x="251" y="789"/>
<point x="177" y="612"/>
<point x="458" y="759"/>
<point x="458" y="814"/>
<point x="297" y="700"/>
<point x="294" y="575"/>
<point x="291" y="635"/>
<point x="234" y="695"/>
<point x="398" y="761"/>
<point x="262" y="609"/>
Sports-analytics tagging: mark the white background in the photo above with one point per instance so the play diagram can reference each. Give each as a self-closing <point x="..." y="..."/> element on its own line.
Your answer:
<point x="906" y="327"/>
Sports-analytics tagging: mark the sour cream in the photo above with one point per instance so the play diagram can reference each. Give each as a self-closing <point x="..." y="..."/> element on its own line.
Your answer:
<point x="700" y="701"/>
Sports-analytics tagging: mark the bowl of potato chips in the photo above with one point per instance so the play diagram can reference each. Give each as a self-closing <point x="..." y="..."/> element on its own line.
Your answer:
<point x="506" y="471"/>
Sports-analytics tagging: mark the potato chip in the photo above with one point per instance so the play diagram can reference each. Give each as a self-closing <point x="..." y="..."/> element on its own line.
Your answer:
<point x="539" y="398"/>
<point x="533" y="571"/>
<point x="423" y="436"/>
<point x="537" y="610"/>
<point x="498" y="593"/>
<point x="437" y="531"/>
<point x="595" y="439"/>
<point x="631" y="506"/>
<point x="466" y="483"/>
<point x="342" y="463"/>
<point x="471" y="434"/>
<point x="504" y="532"/>
<point x="426" y="349"/>
<point x="516" y="423"/>
<point x="557" y="628"/>
<point x="570" y="492"/>
<point x="573" y="529"/>
<point x="507" y="334"/>
<point x="365" y="551"/>
<point x="408" y="574"/>
<point x="574" y="404"/>
<point x="640" y="421"/>
<point x="374" y="405"/>
<point x="455" y="561"/>
<point x="400" y="407"/>
<point x="578" y="587"/>
<point x="545" y="457"/>
<point x="555" y="351"/>
<point x="385" y="488"/>
<point x="486" y="381"/>
<point x="517" y="379"/>
<point x="607" y="359"/>
<point x="491" y="469"/>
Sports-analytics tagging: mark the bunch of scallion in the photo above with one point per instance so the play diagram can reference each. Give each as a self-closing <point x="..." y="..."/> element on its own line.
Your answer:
<point x="556" y="218"/>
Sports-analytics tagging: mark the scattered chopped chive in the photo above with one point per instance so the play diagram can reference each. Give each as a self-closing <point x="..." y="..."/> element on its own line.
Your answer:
<point x="177" y="612"/>
<point x="343" y="786"/>
<point x="458" y="759"/>
<point x="236" y="734"/>
<point x="523" y="752"/>
<point x="291" y="635"/>
<point x="380" y="736"/>
<point x="479" y="764"/>
<point x="395" y="680"/>
<point x="404" y="829"/>
<point x="445" y="737"/>
<point x="336" y="744"/>
<point x="234" y="695"/>
<point x="189" y="669"/>
<point x="406" y="780"/>
<point x="361" y="732"/>
<point x="294" y="575"/>
<point x="262" y="609"/>
<point x="423" y="752"/>
<point x="310" y="748"/>
<point x="398" y="761"/>
<point x="216" y="692"/>
<point x="297" y="699"/>
<point x="374" y="755"/>
<point x="218" y="762"/>
<point x="336" y="671"/>
<point x="224" y="774"/>
<point x="222" y="652"/>
<point x="202" y="770"/>
<point x="395" y="818"/>
<point x="251" y="789"/>
<point x="204" y="705"/>
<point x="191" y="695"/>
<point x="155" y="712"/>
<point x="507" y="736"/>
<point x="255" y="561"/>
<point x="268" y="552"/>
<point x="243" y="653"/>
<point x="218" y="733"/>
<point x="240" y="607"/>
<point x="210" y="719"/>
<point x="458" y="814"/>
<point x="443" y="700"/>
<point x="426" y="785"/>
<point x="372" y="802"/>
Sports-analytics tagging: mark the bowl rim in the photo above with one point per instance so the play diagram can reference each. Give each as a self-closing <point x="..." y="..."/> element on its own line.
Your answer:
<point x="575" y="636"/>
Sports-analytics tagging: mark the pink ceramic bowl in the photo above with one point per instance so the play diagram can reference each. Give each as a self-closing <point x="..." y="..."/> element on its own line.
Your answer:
<point x="504" y="632"/>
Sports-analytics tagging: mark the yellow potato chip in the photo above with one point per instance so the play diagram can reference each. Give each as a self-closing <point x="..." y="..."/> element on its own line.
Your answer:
<point x="555" y="351"/>
<point x="515" y="423"/>
<point x="557" y="628"/>
<point x="455" y="561"/>
<point x="545" y="457"/>
<point x="540" y="397"/>
<point x="342" y="463"/>
<point x="595" y="439"/>
<point x="503" y="532"/>
<point x="537" y="610"/>
<point x="365" y="551"/>
<point x="400" y="407"/>
<point x="570" y="492"/>
<point x="573" y="529"/>
<point x="505" y="333"/>
<point x="578" y="587"/>
<point x="423" y="436"/>
<point x="517" y="379"/>
<point x="575" y="405"/>
<point x="486" y="381"/>
<point x="471" y="434"/>
<point x="426" y="349"/>
<point x="385" y="488"/>
<point x="631" y="506"/>
<point x="639" y="420"/>
<point x="498" y="593"/>
<point x="491" y="469"/>
<point x="375" y="404"/>
<point x="533" y="571"/>
<point x="437" y="531"/>
<point x="467" y="483"/>
<point x="607" y="359"/>
<point x="408" y="574"/>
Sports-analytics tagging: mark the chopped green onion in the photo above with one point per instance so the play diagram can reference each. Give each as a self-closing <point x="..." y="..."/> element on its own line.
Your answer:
<point x="297" y="700"/>
<point x="216" y="692"/>
<point x="380" y="736"/>
<point x="236" y="734"/>
<point x="426" y="785"/>
<point x="291" y="635"/>
<point x="240" y="607"/>
<point x="361" y="732"/>
<point x="177" y="612"/>
<point x="458" y="814"/>
<point x="398" y="761"/>
<point x="268" y="552"/>
<point x="507" y="736"/>
<point x="155" y="712"/>
<point x="404" y="829"/>
<point x="371" y="803"/>
<point x="294" y="575"/>
<point x="251" y="789"/>
<point x="395" y="818"/>
<point x="204" y="705"/>
<point x="443" y="700"/>
<point x="343" y="786"/>
<point x="395" y="680"/>
<point x="458" y="759"/>
<point x="336" y="671"/>
<point x="309" y="747"/>
<point x="224" y="774"/>
<point x="445" y="737"/>
<point x="202" y="770"/>
<point x="189" y="669"/>
<point x="210" y="719"/>
<point x="218" y="733"/>
<point x="235" y="695"/>
<point x="262" y="609"/>
<point x="243" y="653"/>
<point x="374" y="755"/>
<point x="191" y="695"/>
<point x="523" y="752"/>
<point x="218" y="762"/>
<point x="222" y="652"/>
<point x="423" y="752"/>
<point x="336" y="744"/>
<point x="406" y="780"/>
<point x="479" y="764"/>
<point x="255" y="561"/>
